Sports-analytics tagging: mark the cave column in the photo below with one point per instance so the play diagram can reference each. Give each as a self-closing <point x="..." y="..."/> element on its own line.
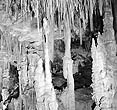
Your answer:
<point x="67" y="70"/>
<point x="105" y="65"/>
<point x="50" y="97"/>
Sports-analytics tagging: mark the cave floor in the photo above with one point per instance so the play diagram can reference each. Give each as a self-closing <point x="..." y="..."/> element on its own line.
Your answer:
<point x="83" y="99"/>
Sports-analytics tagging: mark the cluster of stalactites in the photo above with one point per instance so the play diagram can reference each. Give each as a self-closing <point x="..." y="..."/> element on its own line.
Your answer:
<point x="58" y="12"/>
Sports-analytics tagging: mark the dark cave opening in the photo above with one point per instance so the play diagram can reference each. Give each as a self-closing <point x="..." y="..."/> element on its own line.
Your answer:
<point x="82" y="78"/>
<point x="81" y="58"/>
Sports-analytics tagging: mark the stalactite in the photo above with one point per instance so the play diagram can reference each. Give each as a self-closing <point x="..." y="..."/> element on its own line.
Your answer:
<point x="81" y="33"/>
<point x="37" y="16"/>
<point x="50" y="17"/>
<point x="21" y="8"/>
<point x="100" y="6"/>
<point x="91" y="14"/>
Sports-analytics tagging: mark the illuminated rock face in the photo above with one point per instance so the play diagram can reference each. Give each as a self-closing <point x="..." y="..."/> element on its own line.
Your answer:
<point x="104" y="66"/>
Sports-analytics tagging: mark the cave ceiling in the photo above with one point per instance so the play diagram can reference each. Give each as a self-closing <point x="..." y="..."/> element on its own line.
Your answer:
<point x="12" y="18"/>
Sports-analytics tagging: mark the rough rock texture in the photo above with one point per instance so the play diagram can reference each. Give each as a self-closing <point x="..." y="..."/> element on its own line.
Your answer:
<point x="104" y="65"/>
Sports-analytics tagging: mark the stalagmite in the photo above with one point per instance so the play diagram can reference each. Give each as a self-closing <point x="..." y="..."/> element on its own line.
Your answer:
<point x="98" y="73"/>
<point x="40" y="85"/>
<point x="104" y="66"/>
<point x="23" y="75"/>
<point x="23" y="81"/>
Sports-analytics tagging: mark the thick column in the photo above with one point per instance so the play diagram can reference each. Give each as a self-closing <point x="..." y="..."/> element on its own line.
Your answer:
<point x="67" y="70"/>
<point x="50" y="101"/>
